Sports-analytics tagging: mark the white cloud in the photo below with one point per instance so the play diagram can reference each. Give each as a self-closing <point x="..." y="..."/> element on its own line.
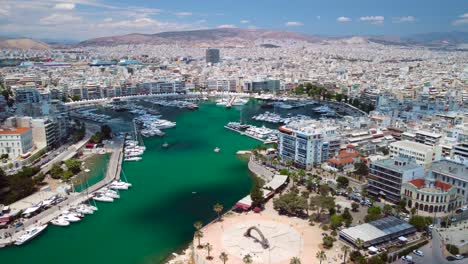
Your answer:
<point x="109" y="19"/>
<point x="65" y="6"/>
<point x="182" y="14"/>
<point x="293" y="24"/>
<point x="227" y="26"/>
<point x="318" y="17"/>
<point x="59" y="19"/>
<point x="373" y="19"/>
<point x="462" y="20"/>
<point x="243" y="21"/>
<point x="404" y="19"/>
<point x="343" y="19"/>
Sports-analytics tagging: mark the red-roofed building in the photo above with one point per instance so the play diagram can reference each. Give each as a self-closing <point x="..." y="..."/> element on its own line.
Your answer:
<point x="15" y="141"/>
<point x="345" y="159"/>
<point x="430" y="196"/>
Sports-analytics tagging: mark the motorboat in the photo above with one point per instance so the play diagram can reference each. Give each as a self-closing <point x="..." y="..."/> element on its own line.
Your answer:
<point x="217" y="149"/>
<point x="119" y="185"/>
<point x="29" y="234"/>
<point x="103" y="198"/>
<point x="165" y="145"/>
<point x="83" y="209"/>
<point x="133" y="159"/>
<point x="60" y="221"/>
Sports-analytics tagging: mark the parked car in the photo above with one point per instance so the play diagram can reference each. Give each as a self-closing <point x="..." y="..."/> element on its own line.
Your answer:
<point x="418" y="252"/>
<point x="407" y="258"/>
<point x="459" y="257"/>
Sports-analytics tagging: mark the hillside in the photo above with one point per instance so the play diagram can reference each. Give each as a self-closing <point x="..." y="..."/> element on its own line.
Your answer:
<point x="22" y="43"/>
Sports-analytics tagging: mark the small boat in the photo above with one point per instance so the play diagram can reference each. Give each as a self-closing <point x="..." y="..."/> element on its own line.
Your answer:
<point x="87" y="170"/>
<point x="217" y="149"/>
<point x="60" y="221"/>
<point x="103" y="198"/>
<point x="30" y="233"/>
<point x="133" y="159"/>
<point x="70" y="217"/>
<point x="165" y="145"/>
<point x="82" y="209"/>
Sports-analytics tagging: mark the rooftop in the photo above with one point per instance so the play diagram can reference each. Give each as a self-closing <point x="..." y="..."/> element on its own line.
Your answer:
<point x="412" y="145"/>
<point x="398" y="164"/>
<point x="13" y="131"/>
<point x="448" y="167"/>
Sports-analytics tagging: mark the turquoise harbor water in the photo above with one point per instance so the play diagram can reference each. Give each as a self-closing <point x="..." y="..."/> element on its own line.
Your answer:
<point x="156" y="216"/>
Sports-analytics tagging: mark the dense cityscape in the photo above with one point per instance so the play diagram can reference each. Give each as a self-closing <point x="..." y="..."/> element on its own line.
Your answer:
<point x="234" y="145"/>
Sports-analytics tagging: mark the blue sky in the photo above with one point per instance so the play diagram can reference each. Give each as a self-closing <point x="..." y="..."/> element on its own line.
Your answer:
<point x="82" y="19"/>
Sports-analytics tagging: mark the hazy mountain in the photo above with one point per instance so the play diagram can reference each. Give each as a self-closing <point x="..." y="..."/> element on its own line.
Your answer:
<point x="231" y="36"/>
<point x="22" y="43"/>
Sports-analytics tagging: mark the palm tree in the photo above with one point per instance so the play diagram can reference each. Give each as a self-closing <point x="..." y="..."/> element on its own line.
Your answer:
<point x="247" y="259"/>
<point x="198" y="225"/>
<point x="345" y="250"/>
<point x="208" y="248"/>
<point x="223" y="257"/>
<point x="295" y="260"/>
<point x="198" y="235"/>
<point x="359" y="243"/>
<point x="218" y="208"/>
<point x="321" y="256"/>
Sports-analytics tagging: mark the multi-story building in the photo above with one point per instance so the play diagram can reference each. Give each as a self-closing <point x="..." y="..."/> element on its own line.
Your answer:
<point x="45" y="132"/>
<point x="26" y="94"/>
<point x="262" y="85"/>
<point x="15" y="141"/>
<point x="427" y="138"/>
<point x="430" y="196"/>
<point x="222" y="85"/>
<point x="453" y="173"/>
<point x="460" y="150"/>
<point x="387" y="176"/>
<point x="422" y="154"/>
<point x="212" y="56"/>
<point x="307" y="143"/>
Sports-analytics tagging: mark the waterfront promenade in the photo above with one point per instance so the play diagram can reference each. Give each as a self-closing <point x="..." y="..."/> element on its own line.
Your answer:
<point x="72" y="199"/>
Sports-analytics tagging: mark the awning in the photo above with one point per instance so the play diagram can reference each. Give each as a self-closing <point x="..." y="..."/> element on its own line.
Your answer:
<point x="373" y="249"/>
<point x="31" y="210"/>
<point x="403" y="239"/>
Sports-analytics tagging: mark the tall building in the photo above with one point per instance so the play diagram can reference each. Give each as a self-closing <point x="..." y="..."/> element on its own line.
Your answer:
<point x="262" y="85"/>
<point x="387" y="176"/>
<point x="307" y="143"/>
<point x="422" y="154"/>
<point x="212" y="56"/>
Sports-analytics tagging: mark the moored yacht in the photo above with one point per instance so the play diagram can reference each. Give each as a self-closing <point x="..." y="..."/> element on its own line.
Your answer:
<point x="29" y="234"/>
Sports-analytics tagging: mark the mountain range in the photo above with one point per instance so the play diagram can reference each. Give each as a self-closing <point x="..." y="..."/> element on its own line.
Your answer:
<point x="244" y="37"/>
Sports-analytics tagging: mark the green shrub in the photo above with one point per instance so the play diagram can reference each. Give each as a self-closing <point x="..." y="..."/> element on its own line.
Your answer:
<point x="410" y="249"/>
<point x="328" y="242"/>
<point x="452" y="249"/>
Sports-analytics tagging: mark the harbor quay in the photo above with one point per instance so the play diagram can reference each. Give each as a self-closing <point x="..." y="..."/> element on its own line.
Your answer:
<point x="10" y="235"/>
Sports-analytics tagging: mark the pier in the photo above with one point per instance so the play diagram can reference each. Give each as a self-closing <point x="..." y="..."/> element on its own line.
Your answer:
<point x="71" y="200"/>
<point x="252" y="136"/>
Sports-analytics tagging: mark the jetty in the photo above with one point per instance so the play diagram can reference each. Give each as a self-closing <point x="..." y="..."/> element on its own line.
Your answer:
<point x="71" y="200"/>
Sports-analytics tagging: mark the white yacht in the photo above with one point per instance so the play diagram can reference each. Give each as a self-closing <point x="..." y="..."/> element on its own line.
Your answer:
<point x="217" y="149"/>
<point x="133" y="159"/>
<point x="119" y="185"/>
<point x="103" y="198"/>
<point x="30" y="233"/>
<point x="70" y="217"/>
<point x="60" y="221"/>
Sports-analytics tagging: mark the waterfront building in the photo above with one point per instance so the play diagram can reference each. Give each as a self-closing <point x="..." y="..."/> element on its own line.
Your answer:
<point x="222" y="85"/>
<point x="15" y="141"/>
<point x="454" y="173"/>
<point x="422" y="154"/>
<point x="212" y="56"/>
<point x="44" y="133"/>
<point x="307" y="143"/>
<point x="430" y="196"/>
<point x="261" y="86"/>
<point x="387" y="176"/>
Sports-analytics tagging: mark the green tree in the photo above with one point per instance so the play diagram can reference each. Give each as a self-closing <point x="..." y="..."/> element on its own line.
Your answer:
<point x="223" y="257"/>
<point x="199" y="235"/>
<point x="295" y="260"/>
<point x="361" y="168"/>
<point x="420" y="222"/>
<point x="328" y="242"/>
<point x="354" y="206"/>
<point x="324" y="189"/>
<point x="106" y="132"/>
<point x="291" y="204"/>
<point x="347" y="217"/>
<point x="387" y="209"/>
<point x="345" y="249"/>
<point x="336" y="221"/>
<point x="56" y="171"/>
<point x="247" y="259"/>
<point x="321" y="256"/>
<point x="359" y="242"/>
<point x="342" y="181"/>
<point x="373" y="213"/>
<point x="256" y="194"/>
<point x="208" y="248"/>
<point x="218" y="208"/>
<point x="73" y="165"/>
<point x="198" y="225"/>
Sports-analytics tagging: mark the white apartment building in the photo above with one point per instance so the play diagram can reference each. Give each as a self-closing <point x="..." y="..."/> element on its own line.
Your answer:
<point x="422" y="154"/>
<point x="15" y="141"/>
<point x="307" y="143"/>
<point x="222" y="85"/>
<point x="428" y="138"/>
